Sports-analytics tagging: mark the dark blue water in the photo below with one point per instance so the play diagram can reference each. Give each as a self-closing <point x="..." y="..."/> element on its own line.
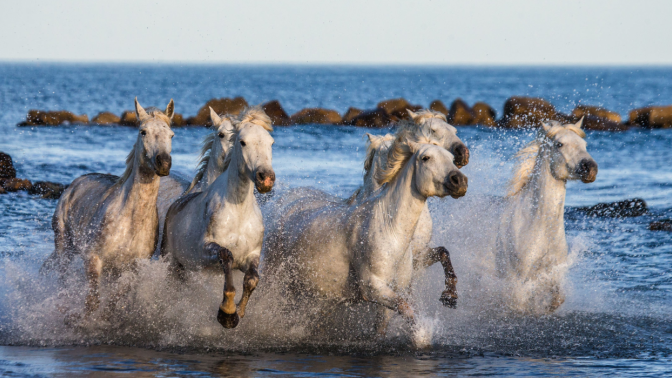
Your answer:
<point x="616" y="318"/>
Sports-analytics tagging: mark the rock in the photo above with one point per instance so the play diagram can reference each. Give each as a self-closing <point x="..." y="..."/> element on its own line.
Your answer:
<point x="230" y="106"/>
<point x="16" y="184"/>
<point x="660" y="117"/>
<point x="460" y="113"/>
<point x="372" y="118"/>
<point x="526" y="112"/>
<point x="7" y="169"/>
<point x="316" y="116"/>
<point x="656" y="117"/>
<point x="105" y="118"/>
<point x="626" y="208"/>
<point x="46" y="189"/>
<point x="396" y="108"/>
<point x="596" y="111"/>
<point x="276" y="112"/>
<point x="438" y="106"/>
<point x="591" y="122"/>
<point x="661" y="225"/>
<point x="178" y="120"/>
<point x="484" y="114"/>
<point x="350" y="115"/>
<point x="128" y="118"/>
<point x="52" y="118"/>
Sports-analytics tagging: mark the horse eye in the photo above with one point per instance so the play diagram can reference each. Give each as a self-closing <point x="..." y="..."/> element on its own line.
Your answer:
<point x="425" y="158"/>
<point x="221" y="135"/>
<point x="143" y="133"/>
<point x="558" y="144"/>
<point x="242" y="143"/>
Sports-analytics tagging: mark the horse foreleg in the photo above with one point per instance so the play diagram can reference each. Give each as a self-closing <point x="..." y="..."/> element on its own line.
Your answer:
<point x="377" y="291"/>
<point x="227" y="315"/>
<point x="249" y="284"/>
<point x="441" y="254"/>
<point x="94" y="269"/>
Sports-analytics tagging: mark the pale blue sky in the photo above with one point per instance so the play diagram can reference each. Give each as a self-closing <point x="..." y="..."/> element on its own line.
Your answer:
<point x="361" y="32"/>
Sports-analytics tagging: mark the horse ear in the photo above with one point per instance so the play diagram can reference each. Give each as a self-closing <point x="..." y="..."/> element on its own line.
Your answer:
<point x="580" y="123"/>
<point x="413" y="146"/>
<point x="216" y="120"/>
<point x="411" y="113"/>
<point x="170" y="109"/>
<point x="546" y="127"/>
<point x="140" y="111"/>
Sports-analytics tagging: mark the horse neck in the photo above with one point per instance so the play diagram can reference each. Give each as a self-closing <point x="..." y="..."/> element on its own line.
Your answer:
<point x="212" y="171"/>
<point x="234" y="185"/>
<point x="544" y="194"/>
<point x="141" y="187"/>
<point x="400" y="204"/>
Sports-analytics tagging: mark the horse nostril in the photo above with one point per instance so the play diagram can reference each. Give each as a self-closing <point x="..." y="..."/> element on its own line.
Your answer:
<point x="455" y="179"/>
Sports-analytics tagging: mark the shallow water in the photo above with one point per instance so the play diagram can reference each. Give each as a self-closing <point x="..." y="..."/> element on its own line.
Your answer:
<point x="616" y="318"/>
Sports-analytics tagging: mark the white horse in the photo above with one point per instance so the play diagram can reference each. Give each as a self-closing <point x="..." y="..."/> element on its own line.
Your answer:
<point x="337" y="253"/>
<point x="211" y="164"/>
<point x="222" y="225"/>
<point x="434" y="125"/>
<point x="531" y="246"/>
<point x="112" y="221"/>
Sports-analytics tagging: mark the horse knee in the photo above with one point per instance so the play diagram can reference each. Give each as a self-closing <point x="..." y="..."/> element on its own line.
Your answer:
<point x="251" y="280"/>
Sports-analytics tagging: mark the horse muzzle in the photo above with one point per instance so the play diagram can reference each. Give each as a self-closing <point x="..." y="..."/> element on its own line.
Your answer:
<point x="162" y="164"/>
<point x="264" y="181"/>
<point x="456" y="184"/>
<point x="587" y="170"/>
<point x="461" y="153"/>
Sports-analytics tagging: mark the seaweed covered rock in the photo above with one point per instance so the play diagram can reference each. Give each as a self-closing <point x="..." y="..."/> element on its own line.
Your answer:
<point x="277" y="113"/>
<point x="7" y="169"/>
<point x="46" y="189"/>
<point x="438" y="106"/>
<point x="350" y="115"/>
<point x="661" y="225"/>
<point x="106" y="118"/>
<point x="128" y="118"/>
<point x="526" y="112"/>
<point x="316" y="116"/>
<point x="591" y="122"/>
<point x="372" y="118"/>
<point x="484" y="114"/>
<point x="397" y="108"/>
<point x="627" y="208"/>
<point x="596" y="111"/>
<point x="460" y="113"/>
<point x="16" y="184"/>
<point x="52" y="118"/>
<point x="231" y="106"/>
<point x="655" y="117"/>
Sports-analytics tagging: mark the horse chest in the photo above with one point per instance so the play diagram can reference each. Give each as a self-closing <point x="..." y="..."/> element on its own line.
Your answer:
<point x="241" y="233"/>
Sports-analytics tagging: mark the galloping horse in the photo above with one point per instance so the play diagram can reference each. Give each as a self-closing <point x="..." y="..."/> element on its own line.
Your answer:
<point x="222" y="226"/>
<point x="434" y="125"/>
<point x="336" y="253"/>
<point x="531" y="242"/>
<point x="112" y="221"/>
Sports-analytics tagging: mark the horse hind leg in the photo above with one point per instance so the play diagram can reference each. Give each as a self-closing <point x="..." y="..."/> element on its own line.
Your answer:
<point x="449" y="295"/>
<point x="227" y="315"/>
<point x="249" y="284"/>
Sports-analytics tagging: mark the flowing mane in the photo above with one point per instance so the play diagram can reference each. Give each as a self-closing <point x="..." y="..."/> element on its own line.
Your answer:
<point x="206" y="153"/>
<point x="257" y="116"/>
<point x="527" y="156"/>
<point x="401" y="150"/>
<point x="373" y="143"/>
<point x="154" y="113"/>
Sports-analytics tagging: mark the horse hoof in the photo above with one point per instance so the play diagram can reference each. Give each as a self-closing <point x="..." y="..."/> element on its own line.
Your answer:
<point x="448" y="300"/>
<point x="227" y="320"/>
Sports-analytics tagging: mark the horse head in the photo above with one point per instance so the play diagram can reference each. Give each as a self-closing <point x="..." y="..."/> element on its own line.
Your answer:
<point x="436" y="174"/>
<point x="444" y="133"/>
<point x="569" y="159"/>
<point x="153" y="145"/>
<point x="253" y="143"/>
